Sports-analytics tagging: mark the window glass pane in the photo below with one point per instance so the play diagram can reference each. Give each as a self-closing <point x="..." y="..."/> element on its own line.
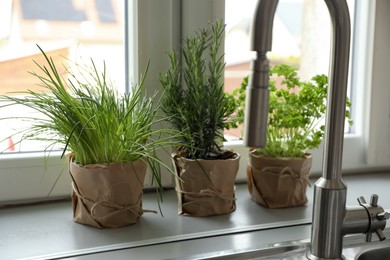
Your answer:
<point x="67" y="30"/>
<point x="301" y="38"/>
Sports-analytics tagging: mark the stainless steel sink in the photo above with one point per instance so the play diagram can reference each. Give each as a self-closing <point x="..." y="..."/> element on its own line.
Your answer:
<point x="355" y="248"/>
<point x="286" y="250"/>
<point x="377" y="254"/>
<point x="368" y="251"/>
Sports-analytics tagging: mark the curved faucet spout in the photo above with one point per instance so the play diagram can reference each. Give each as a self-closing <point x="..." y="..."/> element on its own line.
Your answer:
<point x="262" y="25"/>
<point x="257" y="96"/>
<point x="257" y="91"/>
<point x="337" y="91"/>
<point x="257" y="103"/>
<point x="330" y="192"/>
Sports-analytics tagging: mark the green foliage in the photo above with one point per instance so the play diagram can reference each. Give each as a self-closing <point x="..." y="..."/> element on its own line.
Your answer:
<point x="194" y="99"/>
<point x="88" y="117"/>
<point x="296" y="111"/>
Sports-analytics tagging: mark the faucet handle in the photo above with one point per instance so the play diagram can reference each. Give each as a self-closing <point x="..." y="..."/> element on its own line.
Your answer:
<point x="368" y="237"/>
<point x="374" y="200"/>
<point x="377" y="217"/>
<point x="383" y="215"/>
<point x="380" y="234"/>
<point x="361" y="201"/>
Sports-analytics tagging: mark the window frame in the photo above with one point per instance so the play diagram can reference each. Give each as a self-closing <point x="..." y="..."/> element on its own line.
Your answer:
<point x="30" y="176"/>
<point x="358" y="144"/>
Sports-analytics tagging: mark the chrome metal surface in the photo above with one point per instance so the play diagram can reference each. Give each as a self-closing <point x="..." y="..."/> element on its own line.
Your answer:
<point x="327" y="221"/>
<point x="257" y="94"/>
<point x="256" y="114"/>
<point x="257" y="99"/>
<point x="337" y="90"/>
<point x="354" y="249"/>
<point x="331" y="219"/>
<point x="376" y="254"/>
<point x="285" y="250"/>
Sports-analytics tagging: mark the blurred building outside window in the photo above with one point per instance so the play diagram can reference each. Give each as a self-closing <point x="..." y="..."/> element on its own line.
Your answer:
<point x="301" y="38"/>
<point x="67" y="30"/>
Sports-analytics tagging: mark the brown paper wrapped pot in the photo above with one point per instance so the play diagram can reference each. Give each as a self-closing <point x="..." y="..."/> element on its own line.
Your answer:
<point x="107" y="195"/>
<point x="278" y="182"/>
<point x="206" y="187"/>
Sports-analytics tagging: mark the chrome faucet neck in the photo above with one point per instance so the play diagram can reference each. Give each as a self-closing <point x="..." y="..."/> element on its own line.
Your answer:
<point x="331" y="219"/>
<point x="337" y="90"/>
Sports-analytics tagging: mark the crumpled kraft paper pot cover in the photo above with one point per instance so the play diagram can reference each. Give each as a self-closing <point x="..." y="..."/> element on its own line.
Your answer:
<point x="278" y="182"/>
<point x="107" y="195"/>
<point x="206" y="187"/>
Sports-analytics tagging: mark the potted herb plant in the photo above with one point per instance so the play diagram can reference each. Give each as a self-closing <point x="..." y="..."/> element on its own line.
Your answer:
<point x="196" y="105"/>
<point x="278" y="174"/>
<point x="110" y="137"/>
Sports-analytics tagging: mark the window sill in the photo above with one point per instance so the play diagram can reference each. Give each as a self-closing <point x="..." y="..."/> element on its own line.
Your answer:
<point x="46" y="231"/>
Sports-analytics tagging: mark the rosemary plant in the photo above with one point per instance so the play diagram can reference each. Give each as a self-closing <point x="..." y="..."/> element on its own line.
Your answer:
<point x="85" y="115"/>
<point x="194" y="99"/>
<point x="296" y="112"/>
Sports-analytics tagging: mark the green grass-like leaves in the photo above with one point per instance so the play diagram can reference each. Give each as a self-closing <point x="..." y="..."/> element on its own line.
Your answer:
<point x="194" y="97"/>
<point x="84" y="114"/>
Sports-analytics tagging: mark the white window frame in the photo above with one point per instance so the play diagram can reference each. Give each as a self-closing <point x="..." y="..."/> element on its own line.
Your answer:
<point x="27" y="177"/>
<point x="364" y="143"/>
<point x="162" y="24"/>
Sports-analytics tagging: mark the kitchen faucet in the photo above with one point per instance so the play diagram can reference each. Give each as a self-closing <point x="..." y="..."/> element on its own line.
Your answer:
<point x="331" y="219"/>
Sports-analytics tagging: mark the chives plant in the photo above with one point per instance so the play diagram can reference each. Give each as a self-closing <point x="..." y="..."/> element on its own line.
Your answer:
<point x="194" y="99"/>
<point x="87" y="116"/>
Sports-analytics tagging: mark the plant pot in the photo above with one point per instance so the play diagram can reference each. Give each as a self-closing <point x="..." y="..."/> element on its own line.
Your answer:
<point x="206" y="187"/>
<point x="278" y="182"/>
<point x="107" y="195"/>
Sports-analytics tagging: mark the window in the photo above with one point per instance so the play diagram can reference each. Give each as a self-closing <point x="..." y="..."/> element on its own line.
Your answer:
<point x="310" y="53"/>
<point x="66" y="30"/>
<point x="301" y="38"/>
<point x="154" y="27"/>
<point x="69" y="31"/>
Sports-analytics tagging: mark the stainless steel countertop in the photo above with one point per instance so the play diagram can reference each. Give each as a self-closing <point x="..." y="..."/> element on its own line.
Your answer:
<point x="47" y="231"/>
